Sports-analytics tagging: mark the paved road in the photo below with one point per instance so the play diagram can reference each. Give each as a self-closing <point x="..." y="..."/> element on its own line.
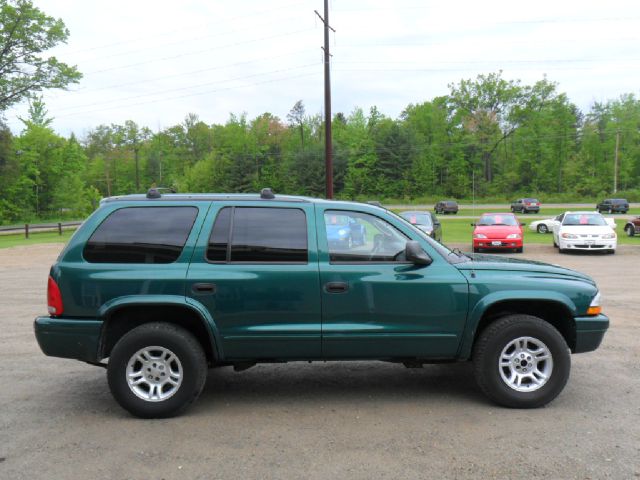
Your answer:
<point x="336" y="420"/>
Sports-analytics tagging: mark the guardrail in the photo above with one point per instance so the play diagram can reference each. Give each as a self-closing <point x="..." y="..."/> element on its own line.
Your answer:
<point x="44" y="227"/>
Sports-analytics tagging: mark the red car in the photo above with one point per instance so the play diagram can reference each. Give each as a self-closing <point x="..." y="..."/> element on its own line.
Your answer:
<point x="498" y="231"/>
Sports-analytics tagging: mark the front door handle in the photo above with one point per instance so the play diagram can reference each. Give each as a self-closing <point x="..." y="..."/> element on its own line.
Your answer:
<point x="203" y="288"/>
<point x="336" y="287"/>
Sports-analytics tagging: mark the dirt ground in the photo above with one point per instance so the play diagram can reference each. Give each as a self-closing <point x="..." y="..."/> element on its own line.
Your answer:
<point x="360" y="420"/>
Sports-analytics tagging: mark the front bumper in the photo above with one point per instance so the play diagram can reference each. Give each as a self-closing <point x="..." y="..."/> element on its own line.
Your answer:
<point x="594" y="244"/>
<point x="69" y="338"/>
<point x="497" y="243"/>
<point x="590" y="332"/>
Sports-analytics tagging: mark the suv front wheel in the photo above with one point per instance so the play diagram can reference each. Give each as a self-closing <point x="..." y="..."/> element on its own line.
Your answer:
<point x="521" y="361"/>
<point x="156" y="370"/>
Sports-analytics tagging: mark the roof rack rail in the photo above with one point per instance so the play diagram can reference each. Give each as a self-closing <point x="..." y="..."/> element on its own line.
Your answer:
<point x="267" y="193"/>
<point x="156" y="192"/>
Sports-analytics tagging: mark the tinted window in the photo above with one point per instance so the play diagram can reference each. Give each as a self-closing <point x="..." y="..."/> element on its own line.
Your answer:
<point x="364" y="238"/>
<point x="260" y="235"/>
<point x="219" y="238"/>
<point x="141" y="235"/>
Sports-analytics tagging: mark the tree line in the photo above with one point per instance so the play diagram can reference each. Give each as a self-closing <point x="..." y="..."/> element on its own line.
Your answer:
<point x="489" y="135"/>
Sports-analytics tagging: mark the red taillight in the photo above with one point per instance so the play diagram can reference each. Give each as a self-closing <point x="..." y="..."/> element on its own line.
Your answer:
<point x="54" y="298"/>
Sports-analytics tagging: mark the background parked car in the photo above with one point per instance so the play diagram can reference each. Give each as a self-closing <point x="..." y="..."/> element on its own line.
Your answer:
<point x="585" y="231"/>
<point x="498" y="231"/>
<point x="546" y="225"/>
<point x="446" y="206"/>
<point x="613" y="205"/>
<point x="526" y="205"/>
<point x="632" y="227"/>
<point x="345" y="232"/>
<point x="425" y="221"/>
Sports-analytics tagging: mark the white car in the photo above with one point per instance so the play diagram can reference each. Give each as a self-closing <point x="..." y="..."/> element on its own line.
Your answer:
<point x="585" y="231"/>
<point x="546" y="225"/>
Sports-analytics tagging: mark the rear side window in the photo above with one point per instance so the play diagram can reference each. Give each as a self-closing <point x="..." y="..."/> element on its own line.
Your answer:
<point x="259" y="235"/>
<point x="141" y="235"/>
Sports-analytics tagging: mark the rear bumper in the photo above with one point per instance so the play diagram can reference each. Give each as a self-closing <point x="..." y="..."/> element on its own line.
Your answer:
<point x="590" y="332"/>
<point x="68" y="338"/>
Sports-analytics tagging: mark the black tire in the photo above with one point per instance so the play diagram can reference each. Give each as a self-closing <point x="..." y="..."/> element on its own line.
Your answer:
<point x="476" y="250"/>
<point x="176" y="340"/>
<point x="519" y="249"/>
<point x="497" y="337"/>
<point x="611" y="252"/>
<point x="562" y="250"/>
<point x="630" y="230"/>
<point x="542" y="228"/>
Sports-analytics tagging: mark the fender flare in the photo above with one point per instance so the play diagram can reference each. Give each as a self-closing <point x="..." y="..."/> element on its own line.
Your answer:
<point x="114" y="305"/>
<point x="486" y="302"/>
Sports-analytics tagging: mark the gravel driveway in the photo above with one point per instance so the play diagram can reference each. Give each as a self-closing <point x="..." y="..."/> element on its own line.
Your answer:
<point x="359" y="420"/>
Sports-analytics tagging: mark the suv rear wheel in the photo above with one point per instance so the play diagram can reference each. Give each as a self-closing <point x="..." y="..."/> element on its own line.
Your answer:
<point x="156" y="370"/>
<point x="521" y="361"/>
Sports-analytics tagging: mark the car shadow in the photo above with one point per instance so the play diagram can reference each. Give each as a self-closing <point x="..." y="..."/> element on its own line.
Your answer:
<point x="337" y="382"/>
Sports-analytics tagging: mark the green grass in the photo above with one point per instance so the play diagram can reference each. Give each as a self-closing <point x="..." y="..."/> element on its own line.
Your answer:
<point x="458" y="230"/>
<point x="17" y="240"/>
<point x="454" y="230"/>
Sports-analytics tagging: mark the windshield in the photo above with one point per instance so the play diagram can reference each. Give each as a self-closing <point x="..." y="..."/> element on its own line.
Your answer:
<point x="495" y="220"/>
<point x="584" y="219"/>
<point x="416" y="218"/>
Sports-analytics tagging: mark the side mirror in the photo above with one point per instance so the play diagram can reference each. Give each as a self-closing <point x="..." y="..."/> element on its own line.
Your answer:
<point x="416" y="255"/>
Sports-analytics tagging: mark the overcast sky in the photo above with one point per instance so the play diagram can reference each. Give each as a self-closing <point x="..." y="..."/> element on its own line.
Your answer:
<point x="156" y="61"/>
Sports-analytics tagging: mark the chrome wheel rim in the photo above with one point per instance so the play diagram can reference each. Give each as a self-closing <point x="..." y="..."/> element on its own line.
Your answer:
<point x="154" y="374"/>
<point x="525" y="364"/>
<point x="542" y="228"/>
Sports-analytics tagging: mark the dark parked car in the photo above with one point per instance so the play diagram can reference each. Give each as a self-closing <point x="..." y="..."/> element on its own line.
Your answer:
<point x="446" y="206"/>
<point x="159" y="288"/>
<point x="632" y="227"/>
<point x="613" y="205"/>
<point x="526" y="205"/>
<point x="425" y="221"/>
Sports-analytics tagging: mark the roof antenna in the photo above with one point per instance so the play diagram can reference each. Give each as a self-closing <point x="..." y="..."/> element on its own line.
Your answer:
<point x="267" y="194"/>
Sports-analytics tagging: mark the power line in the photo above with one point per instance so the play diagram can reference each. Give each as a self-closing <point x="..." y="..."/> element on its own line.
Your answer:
<point x="192" y="39"/>
<point x="190" y="28"/>
<point x="190" y="87"/>
<point x="182" y="74"/>
<point x="187" y="95"/>
<point x="197" y="52"/>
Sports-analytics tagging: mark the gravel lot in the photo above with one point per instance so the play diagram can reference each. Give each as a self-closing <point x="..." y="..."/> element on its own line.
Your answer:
<point x="360" y="420"/>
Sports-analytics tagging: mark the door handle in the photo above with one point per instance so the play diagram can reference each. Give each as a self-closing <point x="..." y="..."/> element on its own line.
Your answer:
<point x="336" y="287"/>
<point x="203" y="288"/>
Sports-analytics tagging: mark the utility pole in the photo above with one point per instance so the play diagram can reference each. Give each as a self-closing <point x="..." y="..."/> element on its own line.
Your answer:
<point x="615" y="163"/>
<point x="328" y="143"/>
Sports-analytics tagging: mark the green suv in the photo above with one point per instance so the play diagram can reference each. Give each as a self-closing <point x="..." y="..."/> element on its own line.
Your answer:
<point x="159" y="287"/>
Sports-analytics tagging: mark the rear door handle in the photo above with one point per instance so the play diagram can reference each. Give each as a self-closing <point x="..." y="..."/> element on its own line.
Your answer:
<point x="203" y="288"/>
<point x="336" y="287"/>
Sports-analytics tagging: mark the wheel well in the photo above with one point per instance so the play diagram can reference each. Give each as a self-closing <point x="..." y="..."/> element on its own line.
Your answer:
<point x="555" y="313"/>
<point x="126" y="319"/>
